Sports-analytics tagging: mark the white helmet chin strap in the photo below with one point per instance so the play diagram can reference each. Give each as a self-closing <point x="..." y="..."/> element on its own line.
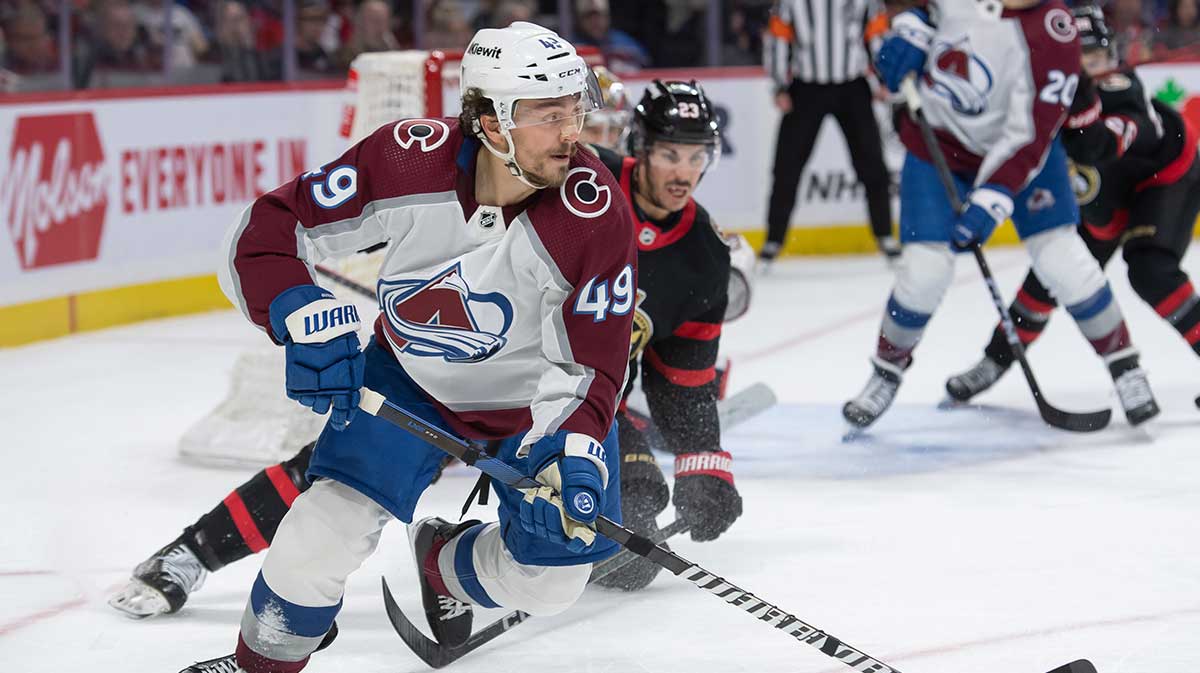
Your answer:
<point x="509" y="158"/>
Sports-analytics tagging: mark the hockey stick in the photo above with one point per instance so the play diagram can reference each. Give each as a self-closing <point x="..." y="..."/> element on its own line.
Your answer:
<point x="437" y="656"/>
<point x="732" y="411"/>
<point x="375" y="404"/>
<point x="345" y="281"/>
<point x="1053" y="416"/>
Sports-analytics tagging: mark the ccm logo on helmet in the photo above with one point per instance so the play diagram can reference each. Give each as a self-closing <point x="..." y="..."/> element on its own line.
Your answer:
<point x="570" y="73"/>
<point x="490" y="52"/>
<point x="582" y="195"/>
<point x="429" y="134"/>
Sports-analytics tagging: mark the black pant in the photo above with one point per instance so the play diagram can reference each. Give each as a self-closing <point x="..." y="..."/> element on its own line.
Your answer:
<point x="1158" y="233"/>
<point x="850" y="105"/>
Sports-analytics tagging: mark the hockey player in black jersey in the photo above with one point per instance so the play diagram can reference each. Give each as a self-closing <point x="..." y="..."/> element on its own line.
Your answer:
<point x="686" y="290"/>
<point x="683" y="298"/>
<point x="1138" y="186"/>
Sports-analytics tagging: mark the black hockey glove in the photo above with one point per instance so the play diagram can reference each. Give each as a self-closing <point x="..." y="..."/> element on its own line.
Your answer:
<point x="705" y="496"/>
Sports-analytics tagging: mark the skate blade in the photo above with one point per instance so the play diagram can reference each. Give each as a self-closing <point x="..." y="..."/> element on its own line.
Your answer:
<point x="854" y="433"/>
<point x="950" y="404"/>
<point x="138" y="600"/>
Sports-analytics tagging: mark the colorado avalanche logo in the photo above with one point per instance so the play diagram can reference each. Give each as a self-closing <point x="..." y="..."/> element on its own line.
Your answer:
<point x="960" y="76"/>
<point x="1061" y="26"/>
<point x="582" y="195"/>
<point x="428" y="134"/>
<point x="442" y="317"/>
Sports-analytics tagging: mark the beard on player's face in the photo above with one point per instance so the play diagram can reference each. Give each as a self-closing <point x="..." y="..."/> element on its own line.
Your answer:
<point x="546" y="167"/>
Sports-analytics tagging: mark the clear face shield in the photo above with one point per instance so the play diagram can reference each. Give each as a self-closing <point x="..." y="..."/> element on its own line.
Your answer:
<point x="567" y="113"/>
<point x="607" y="128"/>
<point x="684" y="158"/>
<point x="1097" y="61"/>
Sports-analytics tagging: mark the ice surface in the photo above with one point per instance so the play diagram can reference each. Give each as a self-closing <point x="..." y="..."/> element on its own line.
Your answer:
<point x="961" y="541"/>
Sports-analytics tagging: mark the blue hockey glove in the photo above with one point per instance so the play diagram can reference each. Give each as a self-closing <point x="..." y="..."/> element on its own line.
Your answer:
<point x="320" y="338"/>
<point x="905" y="48"/>
<point x="571" y="465"/>
<point x="988" y="206"/>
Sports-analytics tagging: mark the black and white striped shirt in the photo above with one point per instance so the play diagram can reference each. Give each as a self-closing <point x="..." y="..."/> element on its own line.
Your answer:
<point x="821" y="41"/>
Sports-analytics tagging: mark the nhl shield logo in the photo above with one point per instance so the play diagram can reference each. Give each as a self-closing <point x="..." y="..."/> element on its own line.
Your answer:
<point x="647" y="236"/>
<point x="487" y="219"/>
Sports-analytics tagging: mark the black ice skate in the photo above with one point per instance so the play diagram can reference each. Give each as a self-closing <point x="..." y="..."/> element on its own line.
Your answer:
<point x="161" y="584"/>
<point x="225" y="664"/>
<point x="1133" y="389"/>
<point x="449" y="618"/>
<point x="962" y="387"/>
<point x="876" y="397"/>
<point x="228" y="663"/>
<point x="766" y="257"/>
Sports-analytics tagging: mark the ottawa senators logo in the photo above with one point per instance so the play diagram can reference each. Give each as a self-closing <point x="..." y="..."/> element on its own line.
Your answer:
<point x="442" y="317"/>
<point x="643" y="328"/>
<point x="583" y="195"/>
<point x="429" y="134"/>
<point x="1085" y="182"/>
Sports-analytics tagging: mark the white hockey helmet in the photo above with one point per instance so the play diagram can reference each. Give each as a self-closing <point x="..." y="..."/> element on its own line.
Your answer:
<point x="522" y="62"/>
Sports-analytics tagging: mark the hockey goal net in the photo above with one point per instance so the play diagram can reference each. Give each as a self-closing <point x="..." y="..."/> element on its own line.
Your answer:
<point x="256" y="424"/>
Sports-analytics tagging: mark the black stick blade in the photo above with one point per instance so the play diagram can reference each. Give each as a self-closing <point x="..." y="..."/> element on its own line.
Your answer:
<point x="1079" y="666"/>
<point x="432" y="653"/>
<point x="1071" y="421"/>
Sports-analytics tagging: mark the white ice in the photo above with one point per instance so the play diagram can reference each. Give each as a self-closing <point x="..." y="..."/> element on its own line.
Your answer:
<point x="965" y="541"/>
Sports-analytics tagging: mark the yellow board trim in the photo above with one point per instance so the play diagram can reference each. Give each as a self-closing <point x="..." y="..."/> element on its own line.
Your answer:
<point x="97" y="309"/>
<point x="845" y="240"/>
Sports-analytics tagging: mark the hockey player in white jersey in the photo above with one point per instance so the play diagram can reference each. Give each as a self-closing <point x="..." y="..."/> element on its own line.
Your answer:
<point x="996" y="80"/>
<point x="506" y="307"/>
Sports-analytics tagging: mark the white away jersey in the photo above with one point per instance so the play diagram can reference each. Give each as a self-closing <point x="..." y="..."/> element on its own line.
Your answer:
<point x="997" y="88"/>
<point x="512" y="319"/>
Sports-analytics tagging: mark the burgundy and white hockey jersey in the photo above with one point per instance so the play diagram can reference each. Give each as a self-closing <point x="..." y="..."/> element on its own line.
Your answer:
<point x="997" y="88"/>
<point x="512" y="319"/>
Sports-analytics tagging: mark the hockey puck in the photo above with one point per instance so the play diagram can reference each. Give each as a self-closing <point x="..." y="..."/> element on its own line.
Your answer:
<point x="1198" y="401"/>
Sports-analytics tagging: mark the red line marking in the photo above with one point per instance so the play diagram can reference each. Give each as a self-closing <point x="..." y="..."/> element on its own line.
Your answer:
<point x="809" y="335"/>
<point x="26" y="573"/>
<point x="844" y="322"/>
<point x="703" y="74"/>
<point x="31" y="619"/>
<point x="1032" y="633"/>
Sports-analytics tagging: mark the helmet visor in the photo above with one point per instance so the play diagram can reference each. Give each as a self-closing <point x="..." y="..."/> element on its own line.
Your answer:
<point x="568" y="110"/>
<point x="666" y="155"/>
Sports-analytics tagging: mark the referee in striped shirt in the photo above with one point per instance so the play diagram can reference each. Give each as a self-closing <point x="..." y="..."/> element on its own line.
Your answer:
<point x="817" y="53"/>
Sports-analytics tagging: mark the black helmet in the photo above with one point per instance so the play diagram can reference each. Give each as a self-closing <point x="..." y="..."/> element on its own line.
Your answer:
<point x="1094" y="32"/>
<point x="676" y="112"/>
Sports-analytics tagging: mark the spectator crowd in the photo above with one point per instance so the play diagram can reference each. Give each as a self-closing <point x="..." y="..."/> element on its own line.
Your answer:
<point x="148" y="42"/>
<point x="117" y="43"/>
